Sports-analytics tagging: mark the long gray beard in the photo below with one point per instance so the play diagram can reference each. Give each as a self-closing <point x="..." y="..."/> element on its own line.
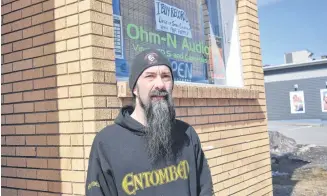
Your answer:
<point x="160" y="118"/>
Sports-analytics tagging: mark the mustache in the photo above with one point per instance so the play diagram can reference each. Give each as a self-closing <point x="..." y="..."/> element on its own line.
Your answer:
<point x="162" y="93"/>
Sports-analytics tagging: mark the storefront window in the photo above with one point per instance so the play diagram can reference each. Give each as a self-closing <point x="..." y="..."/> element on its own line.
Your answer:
<point x="189" y="32"/>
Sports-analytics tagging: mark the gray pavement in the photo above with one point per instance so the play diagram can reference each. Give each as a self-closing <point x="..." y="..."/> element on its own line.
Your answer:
<point x="302" y="131"/>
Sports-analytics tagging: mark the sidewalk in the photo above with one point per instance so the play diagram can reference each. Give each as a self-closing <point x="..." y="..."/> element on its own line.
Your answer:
<point x="302" y="131"/>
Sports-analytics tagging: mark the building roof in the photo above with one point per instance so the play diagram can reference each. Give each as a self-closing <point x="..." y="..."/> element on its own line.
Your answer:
<point x="294" y="65"/>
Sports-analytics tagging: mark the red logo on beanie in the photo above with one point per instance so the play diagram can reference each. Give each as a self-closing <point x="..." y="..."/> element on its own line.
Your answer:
<point x="151" y="58"/>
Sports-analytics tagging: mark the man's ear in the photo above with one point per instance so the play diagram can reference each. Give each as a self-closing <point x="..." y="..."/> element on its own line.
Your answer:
<point x="135" y="90"/>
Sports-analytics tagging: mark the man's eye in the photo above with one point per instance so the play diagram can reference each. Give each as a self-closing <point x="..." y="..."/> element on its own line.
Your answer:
<point x="149" y="76"/>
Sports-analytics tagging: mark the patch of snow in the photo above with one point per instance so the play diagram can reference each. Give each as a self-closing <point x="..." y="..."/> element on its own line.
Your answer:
<point x="306" y="148"/>
<point x="277" y="173"/>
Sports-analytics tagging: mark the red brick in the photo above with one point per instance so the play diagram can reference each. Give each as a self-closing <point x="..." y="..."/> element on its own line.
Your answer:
<point x="6" y="88"/>
<point x="8" y="172"/>
<point x="6" y="48"/>
<point x="7" y="130"/>
<point x="48" y="175"/>
<point x="47" y="128"/>
<point x="3" y="140"/>
<point x="23" y="44"/>
<point x="32" y="31"/>
<point x="12" y="16"/>
<point x="15" y="119"/>
<point x="15" y="56"/>
<point x="11" y="37"/>
<point x="48" y="151"/>
<point x="21" y="4"/>
<point x="34" y="73"/>
<point x="21" y="24"/>
<point x="6" y="29"/>
<point x="43" y="17"/>
<point x="35" y="118"/>
<point x="9" y="192"/>
<point x="26" y="193"/>
<point x="9" y="151"/>
<point x="16" y="162"/>
<point x="37" y="185"/>
<point x="3" y="160"/>
<point x="26" y="173"/>
<point x="15" y="140"/>
<point x="12" y="77"/>
<point x="23" y="86"/>
<point x="44" y="60"/>
<point x="36" y="140"/>
<point x="25" y="129"/>
<point x="46" y="106"/>
<point x="5" y="9"/>
<point x="45" y="83"/>
<point x="43" y="39"/>
<point x="7" y="109"/>
<point x="20" y="65"/>
<point x="25" y="151"/>
<point x="23" y="107"/>
<point x="16" y="183"/>
<point x="33" y="95"/>
<point x="35" y="9"/>
<point x="33" y="52"/>
<point x="37" y="163"/>
<point x="6" y="68"/>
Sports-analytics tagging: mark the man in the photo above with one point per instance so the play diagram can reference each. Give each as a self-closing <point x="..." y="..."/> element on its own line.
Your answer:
<point x="148" y="152"/>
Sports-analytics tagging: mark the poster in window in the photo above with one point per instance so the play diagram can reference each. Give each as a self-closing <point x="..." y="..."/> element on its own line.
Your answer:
<point x="323" y="98"/>
<point x="297" y="102"/>
<point x="189" y="34"/>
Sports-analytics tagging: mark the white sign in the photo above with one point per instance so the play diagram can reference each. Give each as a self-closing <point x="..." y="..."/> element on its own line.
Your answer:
<point x="172" y="20"/>
<point x="297" y="102"/>
<point x="323" y="98"/>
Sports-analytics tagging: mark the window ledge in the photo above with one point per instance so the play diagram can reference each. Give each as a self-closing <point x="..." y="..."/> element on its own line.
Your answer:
<point x="198" y="91"/>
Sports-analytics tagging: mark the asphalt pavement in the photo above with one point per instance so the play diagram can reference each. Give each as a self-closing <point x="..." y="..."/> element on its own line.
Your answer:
<point x="302" y="131"/>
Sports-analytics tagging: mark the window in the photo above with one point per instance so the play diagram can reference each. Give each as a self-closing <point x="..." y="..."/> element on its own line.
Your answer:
<point x="200" y="38"/>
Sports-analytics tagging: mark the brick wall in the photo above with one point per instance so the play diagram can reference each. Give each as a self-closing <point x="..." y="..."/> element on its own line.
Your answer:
<point x="59" y="89"/>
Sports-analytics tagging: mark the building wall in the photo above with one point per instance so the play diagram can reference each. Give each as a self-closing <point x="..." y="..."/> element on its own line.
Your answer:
<point x="278" y="100"/>
<point x="296" y="73"/>
<point x="59" y="89"/>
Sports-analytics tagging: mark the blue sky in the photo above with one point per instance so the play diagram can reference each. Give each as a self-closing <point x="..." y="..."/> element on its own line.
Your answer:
<point x="290" y="25"/>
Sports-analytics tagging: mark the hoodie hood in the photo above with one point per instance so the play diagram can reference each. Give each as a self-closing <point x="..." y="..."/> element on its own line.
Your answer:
<point x="126" y="121"/>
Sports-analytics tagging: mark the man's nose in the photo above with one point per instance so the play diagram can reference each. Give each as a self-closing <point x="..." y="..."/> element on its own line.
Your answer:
<point x="159" y="84"/>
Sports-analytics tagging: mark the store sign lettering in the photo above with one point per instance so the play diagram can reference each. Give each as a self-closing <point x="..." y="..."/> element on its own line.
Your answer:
<point x="182" y="70"/>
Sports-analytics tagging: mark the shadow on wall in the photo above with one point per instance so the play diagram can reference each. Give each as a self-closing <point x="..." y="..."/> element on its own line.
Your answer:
<point x="32" y="160"/>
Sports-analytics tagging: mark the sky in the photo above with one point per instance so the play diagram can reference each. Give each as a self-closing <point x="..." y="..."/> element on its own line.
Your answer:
<point x="291" y="25"/>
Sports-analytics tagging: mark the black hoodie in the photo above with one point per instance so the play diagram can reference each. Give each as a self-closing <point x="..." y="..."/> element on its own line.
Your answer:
<point x="119" y="165"/>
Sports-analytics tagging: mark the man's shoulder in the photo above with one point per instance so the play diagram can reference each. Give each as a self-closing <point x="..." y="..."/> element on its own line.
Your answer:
<point x="107" y="133"/>
<point x="189" y="129"/>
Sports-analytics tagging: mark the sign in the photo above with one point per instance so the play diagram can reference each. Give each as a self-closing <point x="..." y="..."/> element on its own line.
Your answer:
<point x="172" y="20"/>
<point x="297" y="102"/>
<point x="118" y="33"/>
<point x="323" y="95"/>
<point x="182" y="71"/>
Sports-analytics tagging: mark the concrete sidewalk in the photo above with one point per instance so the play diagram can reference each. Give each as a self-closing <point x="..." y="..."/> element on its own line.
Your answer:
<point x="302" y="131"/>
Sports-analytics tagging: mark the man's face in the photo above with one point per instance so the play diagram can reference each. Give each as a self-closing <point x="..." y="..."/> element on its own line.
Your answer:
<point x="154" y="78"/>
<point x="154" y="95"/>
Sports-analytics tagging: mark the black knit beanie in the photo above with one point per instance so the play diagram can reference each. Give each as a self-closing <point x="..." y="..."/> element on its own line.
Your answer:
<point x="144" y="60"/>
